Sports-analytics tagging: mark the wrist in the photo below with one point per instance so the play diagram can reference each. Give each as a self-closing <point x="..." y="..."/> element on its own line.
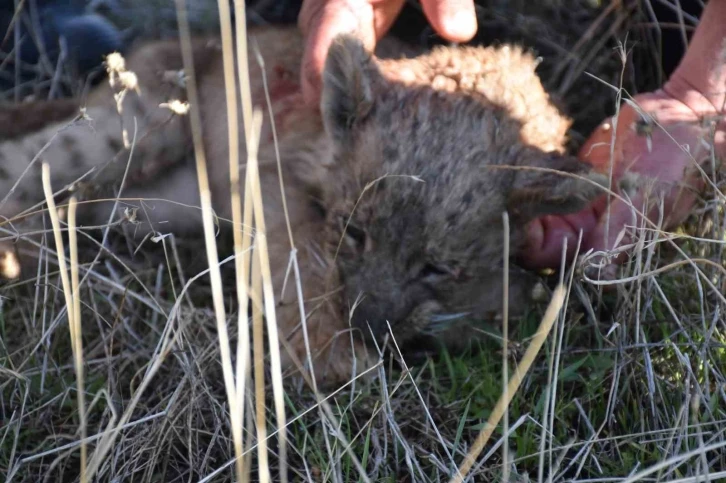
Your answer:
<point x="700" y="98"/>
<point x="708" y="110"/>
<point x="699" y="81"/>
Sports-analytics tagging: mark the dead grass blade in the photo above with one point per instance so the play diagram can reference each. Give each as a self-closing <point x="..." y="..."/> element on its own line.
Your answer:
<point x="205" y="196"/>
<point x="241" y="238"/>
<point x="76" y="332"/>
<point x="252" y="137"/>
<point x="505" y="347"/>
<point x="259" y="355"/>
<point x="73" y="303"/>
<point x="269" y="296"/>
<point x="677" y="460"/>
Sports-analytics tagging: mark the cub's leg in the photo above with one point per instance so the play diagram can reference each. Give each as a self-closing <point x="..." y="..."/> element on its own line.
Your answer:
<point x="91" y="146"/>
<point x="77" y="148"/>
<point x="18" y="120"/>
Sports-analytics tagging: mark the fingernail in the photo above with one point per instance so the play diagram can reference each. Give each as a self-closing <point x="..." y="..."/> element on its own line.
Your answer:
<point x="461" y="25"/>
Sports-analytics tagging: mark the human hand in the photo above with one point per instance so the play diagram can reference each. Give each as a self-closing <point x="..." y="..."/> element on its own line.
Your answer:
<point x="656" y="158"/>
<point x="322" y="20"/>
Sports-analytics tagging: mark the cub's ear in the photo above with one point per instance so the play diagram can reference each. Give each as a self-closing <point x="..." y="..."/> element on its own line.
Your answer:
<point x="347" y="86"/>
<point x="541" y="191"/>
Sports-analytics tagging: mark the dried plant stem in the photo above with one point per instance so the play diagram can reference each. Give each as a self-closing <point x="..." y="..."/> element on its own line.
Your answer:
<point x="76" y="332"/>
<point x="73" y="303"/>
<point x="243" y="348"/>
<point x="241" y="254"/>
<point x="205" y="196"/>
<point x="505" y="347"/>
<point x="542" y="332"/>
<point x="259" y="354"/>
<point x="269" y="296"/>
<point x="253" y="122"/>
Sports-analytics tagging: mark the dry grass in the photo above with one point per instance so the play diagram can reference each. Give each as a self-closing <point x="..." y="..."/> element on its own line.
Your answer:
<point x="631" y="386"/>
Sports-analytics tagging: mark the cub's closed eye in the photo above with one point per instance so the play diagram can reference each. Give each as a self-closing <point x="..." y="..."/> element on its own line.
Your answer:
<point x="352" y="232"/>
<point x="432" y="271"/>
<point x="358" y="235"/>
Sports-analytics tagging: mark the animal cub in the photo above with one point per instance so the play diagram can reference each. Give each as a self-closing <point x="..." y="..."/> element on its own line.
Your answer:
<point x="395" y="186"/>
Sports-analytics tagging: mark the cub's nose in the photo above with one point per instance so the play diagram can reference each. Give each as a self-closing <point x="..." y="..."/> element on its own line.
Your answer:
<point x="368" y="316"/>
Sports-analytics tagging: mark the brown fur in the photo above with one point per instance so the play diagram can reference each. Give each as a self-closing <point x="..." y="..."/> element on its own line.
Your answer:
<point x="396" y="186"/>
<point x="20" y="119"/>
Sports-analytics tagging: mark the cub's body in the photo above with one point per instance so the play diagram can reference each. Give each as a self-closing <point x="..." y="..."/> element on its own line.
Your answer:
<point x="395" y="186"/>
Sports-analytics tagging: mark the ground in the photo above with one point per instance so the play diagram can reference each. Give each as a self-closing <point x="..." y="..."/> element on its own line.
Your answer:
<point x="629" y="386"/>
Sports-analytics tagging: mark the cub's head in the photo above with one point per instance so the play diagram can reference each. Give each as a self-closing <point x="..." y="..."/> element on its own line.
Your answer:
<point x="414" y="202"/>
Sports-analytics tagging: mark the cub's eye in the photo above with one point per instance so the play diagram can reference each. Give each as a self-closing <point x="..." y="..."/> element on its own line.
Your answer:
<point x="432" y="272"/>
<point x="354" y="235"/>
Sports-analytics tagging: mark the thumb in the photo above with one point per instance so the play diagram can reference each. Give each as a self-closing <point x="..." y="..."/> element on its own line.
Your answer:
<point x="546" y="236"/>
<point x="321" y="21"/>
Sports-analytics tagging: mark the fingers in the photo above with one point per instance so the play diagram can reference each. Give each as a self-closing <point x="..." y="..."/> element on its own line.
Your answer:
<point x="322" y="20"/>
<point x="547" y="235"/>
